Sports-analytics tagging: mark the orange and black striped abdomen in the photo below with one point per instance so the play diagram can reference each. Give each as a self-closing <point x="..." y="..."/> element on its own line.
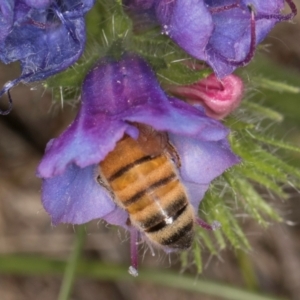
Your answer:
<point x="148" y="188"/>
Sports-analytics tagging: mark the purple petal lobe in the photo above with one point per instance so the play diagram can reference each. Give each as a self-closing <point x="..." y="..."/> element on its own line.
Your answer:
<point x="87" y="141"/>
<point x="75" y="196"/>
<point x="117" y="217"/>
<point x="188" y="23"/>
<point x="39" y="4"/>
<point x="195" y="193"/>
<point x="6" y="18"/>
<point x="203" y="161"/>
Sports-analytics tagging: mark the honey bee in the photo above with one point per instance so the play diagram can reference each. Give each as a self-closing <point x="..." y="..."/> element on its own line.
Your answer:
<point x="142" y="177"/>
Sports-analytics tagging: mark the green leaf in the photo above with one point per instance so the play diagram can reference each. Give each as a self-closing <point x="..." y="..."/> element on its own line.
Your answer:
<point x="264" y="161"/>
<point x="220" y="239"/>
<point x="237" y="125"/>
<point x="272" y="141"/>
<point x="253" y="155"/>
<point x="262" y="179"/>
<point x="197" y="257"/>
<point x="217" y="209"/>
<point x="253" y="203"/>
<point x="262" y="110"/>
<point x="275" y="85"/>
<point x="205" y="237"/>
<point x="178" y="73"/>
<point x="184" y="259"/>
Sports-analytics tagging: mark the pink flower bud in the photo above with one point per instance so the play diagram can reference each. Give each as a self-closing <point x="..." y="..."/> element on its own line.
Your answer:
<point x="219" y="97"/>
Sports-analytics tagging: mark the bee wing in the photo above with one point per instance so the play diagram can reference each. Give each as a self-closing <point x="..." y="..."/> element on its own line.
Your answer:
<point x="156" y="142"/>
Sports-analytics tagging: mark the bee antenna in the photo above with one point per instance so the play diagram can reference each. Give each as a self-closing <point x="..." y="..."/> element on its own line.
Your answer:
<point x="134" y="239"/>
<point x="214" y="226"/>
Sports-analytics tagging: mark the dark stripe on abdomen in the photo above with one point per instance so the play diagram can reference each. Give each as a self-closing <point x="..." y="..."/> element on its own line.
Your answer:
<point x="126" y="168"/>
<point x="170" y="210"/>
<point x="149" y="189"/>
<point x="163" y="223"/>
<point x="171" y="240"/>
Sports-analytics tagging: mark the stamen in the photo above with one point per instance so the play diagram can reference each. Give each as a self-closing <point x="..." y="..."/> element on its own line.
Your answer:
<point x="214" y="226"/>
<point x="251" y="51"/>
<point x="134" y="238"/>
<point x="6" y="89"/>
<point x="219" y="9"/>
<point x="279" y="17"/>
<point x="10" y="105"/>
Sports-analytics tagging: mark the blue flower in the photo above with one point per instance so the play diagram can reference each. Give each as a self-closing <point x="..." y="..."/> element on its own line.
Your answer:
<point x="239" y="26"/>
<point x="46" y="36"/>
<point x="116" y="95"/>
<point x="223" y="33"/>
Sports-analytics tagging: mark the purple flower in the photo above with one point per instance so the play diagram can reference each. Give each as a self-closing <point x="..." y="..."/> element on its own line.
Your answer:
<point x="223" y="33"/>
<point x="46" y="36"/>
<point x="115" y="96"/>
<point x="238" y="27"/>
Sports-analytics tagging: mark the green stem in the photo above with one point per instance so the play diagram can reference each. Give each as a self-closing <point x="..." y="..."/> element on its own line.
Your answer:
<point x="70" y="270"/>
<point x="20" y="265"/>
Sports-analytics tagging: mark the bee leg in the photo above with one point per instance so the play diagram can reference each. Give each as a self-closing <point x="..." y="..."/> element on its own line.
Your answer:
<point x="134" y="238"/>
<point x="171" y="151"/>
<point x="103" y="184"/>
<point x="214" y="226"/>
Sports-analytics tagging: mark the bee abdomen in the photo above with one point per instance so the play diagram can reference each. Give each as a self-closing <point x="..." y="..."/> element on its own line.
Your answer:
<point x="173" y="207"/>
<point x="129" y="166"/>
<point x="176" y="232"/>
<point x="161" y="182"/>
<point x="165" y="222"/>
<point x="133" y="183"/>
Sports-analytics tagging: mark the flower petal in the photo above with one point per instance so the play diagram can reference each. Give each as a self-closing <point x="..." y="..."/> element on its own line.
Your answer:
<point x="6" y="18"/>
<point x="75" y="196"/>
<point x="39" y="4"/>
<point x="188" y="23"/>
<point x="117" y="217"/>
<point x="84" y="143"/>
<point x="195" y="193"/>
<point x="203" y="161"/>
